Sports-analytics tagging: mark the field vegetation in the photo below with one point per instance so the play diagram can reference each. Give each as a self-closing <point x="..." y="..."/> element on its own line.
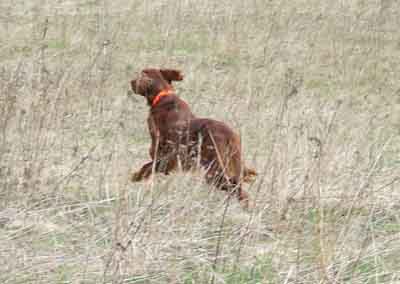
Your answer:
<point x="312" y="86"/>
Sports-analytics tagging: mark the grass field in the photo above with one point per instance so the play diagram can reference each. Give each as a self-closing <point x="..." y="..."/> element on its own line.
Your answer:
<point x="312" y="86"/>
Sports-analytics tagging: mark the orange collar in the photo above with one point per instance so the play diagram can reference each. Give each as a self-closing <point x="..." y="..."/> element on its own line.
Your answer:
<point x="161" y="94"/>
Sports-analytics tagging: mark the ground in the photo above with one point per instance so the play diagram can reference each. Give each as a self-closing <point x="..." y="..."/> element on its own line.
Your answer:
<point x="311" y="86"/>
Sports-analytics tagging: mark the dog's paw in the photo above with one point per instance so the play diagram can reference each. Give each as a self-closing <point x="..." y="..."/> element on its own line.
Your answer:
<point x="248" y="179"/>
<point x="135" y="177"/>
<point x="249" y="175"/>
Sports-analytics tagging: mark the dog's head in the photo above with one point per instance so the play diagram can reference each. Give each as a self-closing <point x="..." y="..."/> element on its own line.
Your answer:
<point x="150" y="82"/>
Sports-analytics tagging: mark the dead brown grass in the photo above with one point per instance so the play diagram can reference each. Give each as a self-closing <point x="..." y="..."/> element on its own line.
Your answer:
<point x="311" y="85"/>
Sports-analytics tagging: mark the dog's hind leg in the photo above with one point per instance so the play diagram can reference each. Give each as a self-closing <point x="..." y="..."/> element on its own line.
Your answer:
<point x="215" y="177"/>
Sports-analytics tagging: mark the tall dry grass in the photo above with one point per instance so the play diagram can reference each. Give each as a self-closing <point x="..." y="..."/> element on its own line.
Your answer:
<point x="312" y="87"/>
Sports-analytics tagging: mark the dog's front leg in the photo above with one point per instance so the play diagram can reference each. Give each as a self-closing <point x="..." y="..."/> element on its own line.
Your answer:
<point x="155" y="138"/>
<point x="162" y="165"/>
<point x="143" y="173"/>
<point x="147" y="168"/>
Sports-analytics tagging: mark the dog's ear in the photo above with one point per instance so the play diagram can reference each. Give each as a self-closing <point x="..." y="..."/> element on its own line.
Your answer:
<point x="142" y="86"/>
<point x="171" y="75"/>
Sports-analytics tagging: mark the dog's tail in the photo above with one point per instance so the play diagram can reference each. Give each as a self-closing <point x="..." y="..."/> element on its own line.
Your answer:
<point x="249" y="174"/>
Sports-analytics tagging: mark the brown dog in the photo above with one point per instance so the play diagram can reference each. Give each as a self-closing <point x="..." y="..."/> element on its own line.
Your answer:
<point x="179" y="140"/>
